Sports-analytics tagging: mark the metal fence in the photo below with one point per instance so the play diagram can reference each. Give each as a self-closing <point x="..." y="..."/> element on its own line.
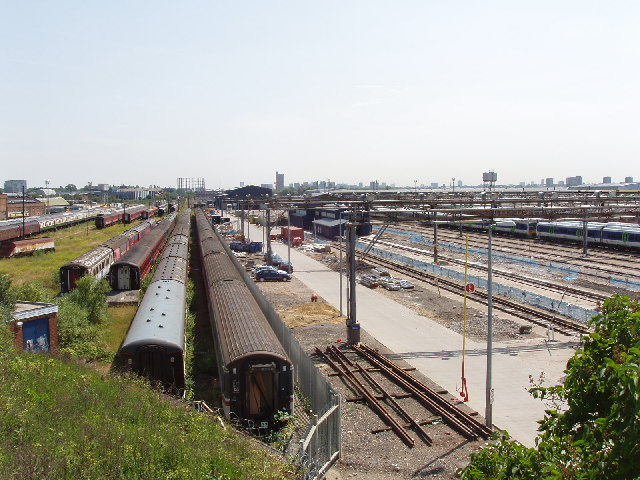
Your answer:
<point x="320" y="446"/>
<point x="574" y="312"/>
<point x="570" y="274"/>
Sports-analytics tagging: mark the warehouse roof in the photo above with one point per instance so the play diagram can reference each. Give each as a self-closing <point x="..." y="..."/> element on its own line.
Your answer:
<point x="330" y="223"/>
<point x="54" y="201"/>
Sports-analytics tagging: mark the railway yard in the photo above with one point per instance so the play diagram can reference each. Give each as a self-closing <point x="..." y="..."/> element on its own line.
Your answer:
<point x="413" y="392"/>
<point x="527" y="351"/>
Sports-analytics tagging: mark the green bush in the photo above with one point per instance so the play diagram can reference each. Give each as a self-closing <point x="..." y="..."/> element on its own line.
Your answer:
<point x="91" y="294"/>
<point x="31" y="292"/>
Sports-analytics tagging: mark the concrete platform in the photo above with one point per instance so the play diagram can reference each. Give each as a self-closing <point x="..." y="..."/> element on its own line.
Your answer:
<point x="436" y="350"/>
<point x="125" y="297"/>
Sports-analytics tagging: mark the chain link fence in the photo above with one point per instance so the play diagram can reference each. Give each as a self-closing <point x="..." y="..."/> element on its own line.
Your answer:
<point x="320" y="445"/>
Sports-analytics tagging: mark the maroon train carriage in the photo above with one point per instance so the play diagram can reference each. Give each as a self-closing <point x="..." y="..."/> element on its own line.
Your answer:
<point x="105" y="220"/>
<point x="95" y="262"/>
<point x="98" y="261"/>
<point x="16" y="248"/>
<point x="128" y="272"/>
<point x="134" y="213"/>
<point x="256" y="376"/>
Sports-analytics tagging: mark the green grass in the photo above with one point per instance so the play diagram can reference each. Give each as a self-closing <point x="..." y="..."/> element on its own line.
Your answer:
<point x="117" y="325"/>
<point x="70" y="243"/>
<point x="63" y="420"/>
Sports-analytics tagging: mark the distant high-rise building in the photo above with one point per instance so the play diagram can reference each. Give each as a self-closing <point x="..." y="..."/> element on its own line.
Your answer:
<point x="561" y="183"/>
<point x="628" y="179"/>
<point x="279" y="181"/>
<point x="373" y="185"/>
<point x="15" y="186"/>
<point x="574" y="181"/>
<point x="459" y="183"/>
<point x="241" y="184"/>
<point x="548" y="182"/>
<point x="606" y="179"/>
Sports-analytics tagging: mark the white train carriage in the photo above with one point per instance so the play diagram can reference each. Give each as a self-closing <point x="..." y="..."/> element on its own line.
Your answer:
<point x="570" y="231"/>
<point x="621" y="235"/>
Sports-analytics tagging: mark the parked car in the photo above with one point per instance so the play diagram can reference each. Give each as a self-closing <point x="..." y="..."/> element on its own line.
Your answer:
<point x="262" y="267"/>
<point x="405" y="284"/>
<point x="287" y="267"/>
<point x="369" y="281"/>
<point x="268" y="274"/>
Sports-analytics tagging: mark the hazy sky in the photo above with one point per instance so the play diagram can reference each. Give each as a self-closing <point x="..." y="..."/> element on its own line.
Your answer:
<point x="142" y="92"/>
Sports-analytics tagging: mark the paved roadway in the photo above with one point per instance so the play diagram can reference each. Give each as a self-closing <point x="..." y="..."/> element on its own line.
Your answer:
<point x="436" y="350"/>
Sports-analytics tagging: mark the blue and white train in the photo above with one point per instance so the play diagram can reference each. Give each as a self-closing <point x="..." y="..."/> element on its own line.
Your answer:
<point x="613" y="234"/>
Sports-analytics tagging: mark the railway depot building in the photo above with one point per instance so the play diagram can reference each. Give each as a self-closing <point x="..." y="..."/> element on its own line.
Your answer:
<point x="3" y="206"/>
<point x="12" y="206"/>
<point x="35" y="327"/>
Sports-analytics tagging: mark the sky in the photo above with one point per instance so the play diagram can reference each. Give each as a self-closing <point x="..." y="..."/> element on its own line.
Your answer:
<point x="403" y="92"/>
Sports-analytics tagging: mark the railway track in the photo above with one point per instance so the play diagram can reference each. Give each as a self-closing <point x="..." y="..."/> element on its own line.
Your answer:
<point x="598" y="265"/>
<point x="551" y="286"/>
<point x="386" y="405"/>
<point x="529" y="313"/>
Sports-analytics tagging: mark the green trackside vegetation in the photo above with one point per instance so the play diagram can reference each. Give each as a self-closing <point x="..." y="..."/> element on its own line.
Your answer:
<point x="63" y="420"/>
<point x="88" y="328"/>
<point x="71" y="242"/>
<point x="60" y="418"/>
<point x="594" y="431"/>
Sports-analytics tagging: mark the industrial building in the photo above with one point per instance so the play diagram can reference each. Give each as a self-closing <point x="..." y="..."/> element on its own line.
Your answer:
<point x="15" y="186"/>
<point x="136" y="193"/>
<point x="35" y="327"/>
<point x="13" y="206"/>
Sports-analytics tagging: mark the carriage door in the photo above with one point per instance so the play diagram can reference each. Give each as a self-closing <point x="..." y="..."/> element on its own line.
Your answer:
<point x="261" y="390"/>
<point x="35" y="335"/>
<point x="151" y="366"/>
<point x="124" y="278"/>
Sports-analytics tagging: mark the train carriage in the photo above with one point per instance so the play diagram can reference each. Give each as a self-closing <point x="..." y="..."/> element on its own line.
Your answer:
<point x="95" y="263"/>
<point x="155" y="343"/>
<point x="621" y="235"/>
<point x="133" y="213"/>
<point x="256" y="376"/>
<point x="98" y="261"/>
<point x="127" y="272"/>
<point x="105" y="220"/>
<point x="154" y="346"/>
<point x="570" y="231"/>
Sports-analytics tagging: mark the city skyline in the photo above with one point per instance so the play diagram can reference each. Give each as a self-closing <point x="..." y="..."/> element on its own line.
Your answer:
<point x="117" y="93"/>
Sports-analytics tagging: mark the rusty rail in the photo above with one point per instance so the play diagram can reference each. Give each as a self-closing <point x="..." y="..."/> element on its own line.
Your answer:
<point x="368" y="396"/>
<point x="460" y="421"/>
<point x="403" y="413"/>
